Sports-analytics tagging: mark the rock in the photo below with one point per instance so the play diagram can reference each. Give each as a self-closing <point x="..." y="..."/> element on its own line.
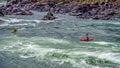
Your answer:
<point x="15" y="10"/>
<point x="74" y="11"/>
<point x="117" y="16"/>
<point x="1" y="13"/>
<point x="95" y="17"/>
<point x="93" y="12"/>
<point x="23" y="12"/>
<point x="102" y="3"/>
<point x="13" y="2"/>
<point x="8" y="5"/>
<point x="75" y="14"/>
<point x="101" y="17"/>
<point x="96" y="3"/>
<point x="84" y="8"/>
<point x="17" y="13"/>
<point x="49" y="16"/>
<point x="111" y="13"/>
<point x="24" y="2"/>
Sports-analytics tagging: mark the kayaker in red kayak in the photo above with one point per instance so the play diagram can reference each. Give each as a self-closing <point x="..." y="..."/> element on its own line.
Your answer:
<point x="87" y="39"/>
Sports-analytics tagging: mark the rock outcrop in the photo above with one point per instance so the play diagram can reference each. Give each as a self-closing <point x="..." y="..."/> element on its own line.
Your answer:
<point x="49" y="16"/>
<point x="104" y="10"/>
<point x="15" y="9"/>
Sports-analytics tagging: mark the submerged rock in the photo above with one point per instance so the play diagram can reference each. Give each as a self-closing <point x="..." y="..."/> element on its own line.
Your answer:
<point x="49" y="16"/>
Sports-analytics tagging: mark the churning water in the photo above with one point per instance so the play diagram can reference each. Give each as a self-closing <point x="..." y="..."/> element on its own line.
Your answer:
<point x="55" y="44"/>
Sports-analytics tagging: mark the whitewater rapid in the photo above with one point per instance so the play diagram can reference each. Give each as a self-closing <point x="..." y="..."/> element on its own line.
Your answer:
<point x="55" y="44"/>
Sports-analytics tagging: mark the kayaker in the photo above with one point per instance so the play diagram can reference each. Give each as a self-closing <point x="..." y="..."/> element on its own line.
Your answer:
<point x="87" y="39"/>
<point x="14" y="31"/>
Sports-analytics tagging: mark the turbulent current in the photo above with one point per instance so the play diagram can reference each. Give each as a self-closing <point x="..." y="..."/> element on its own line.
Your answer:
<point x="55" y="44"/>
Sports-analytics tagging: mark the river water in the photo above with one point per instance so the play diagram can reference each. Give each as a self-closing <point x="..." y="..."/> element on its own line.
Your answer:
<point x="55" y="44"/>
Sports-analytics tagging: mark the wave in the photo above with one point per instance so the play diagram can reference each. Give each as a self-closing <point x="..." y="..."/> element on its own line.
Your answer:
<point x="41" y="49"/>
<point x="14" y="22"/>
<point x="102" y="43"/>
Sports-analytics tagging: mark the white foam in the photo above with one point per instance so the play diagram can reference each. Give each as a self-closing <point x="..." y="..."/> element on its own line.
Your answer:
<point x="36" y="51"/>
<point x="102" y="43"/>
<point x="51" y="40"/>
<point x="103" y="55"/>
<point x="15" y="20"/>
<point x="4" y="24"/>
<point x="48" y="21"/>
<point x="55" y="41"/>
<point x="37" y="21"/>
<point x="23" y="24"/>
<point x="82" y="53"/>
<point x="25" y="56"/>
<point x="110" y="56"/>
<point x="116" y="23"/>
<point x="5" y="20"/>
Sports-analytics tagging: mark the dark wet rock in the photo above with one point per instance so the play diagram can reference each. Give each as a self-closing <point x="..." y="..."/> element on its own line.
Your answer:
<point x="24" y="2"/>
<point x="83" y="8"/>
<point x="14" y="10"/>
<point x="95" y="17"/>
<point x="22" y="12"/>
<point x="102" y="3"/>
<point x="96" y="3"/>
<point x="49" y="16"/>
<point x="75" y="14"/>
<point x="39" y="7"/>
<point x="93" y="12"/>
<point x="102" y="17"/>
<point x="117" y="16"/>
<point x="13" y="2"/>
<point x="1" y="13"/>
<point x="110" y="12"/>
<point x="8" y="5"/>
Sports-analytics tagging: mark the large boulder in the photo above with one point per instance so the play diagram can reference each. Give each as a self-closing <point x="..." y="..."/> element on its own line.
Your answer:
<point x="49" y="16"/>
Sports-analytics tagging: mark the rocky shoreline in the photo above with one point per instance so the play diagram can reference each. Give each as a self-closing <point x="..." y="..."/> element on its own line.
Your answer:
<point x="103" y="11"/>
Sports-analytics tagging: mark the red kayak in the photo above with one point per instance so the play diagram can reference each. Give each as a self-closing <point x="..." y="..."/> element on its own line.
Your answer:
<point x="87" y="39"/>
